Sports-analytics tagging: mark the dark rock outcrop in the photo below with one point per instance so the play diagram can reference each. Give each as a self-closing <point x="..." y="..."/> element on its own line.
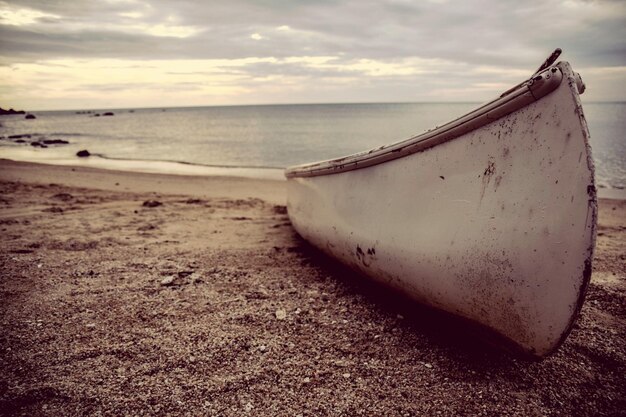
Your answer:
<point x="55" y="142"/>
<point x="83" y="154"/>
<point x="30" y="116"/>
<point x="108" y="114"/>
<point x="4" y="112"/>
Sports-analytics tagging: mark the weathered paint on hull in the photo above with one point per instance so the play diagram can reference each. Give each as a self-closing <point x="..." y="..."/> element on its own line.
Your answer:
<point x="496" y="226"/>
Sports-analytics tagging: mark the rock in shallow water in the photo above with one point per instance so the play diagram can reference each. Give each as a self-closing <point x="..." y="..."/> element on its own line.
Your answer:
<point x="55" y="142"/>
<point x="83" y="154"/>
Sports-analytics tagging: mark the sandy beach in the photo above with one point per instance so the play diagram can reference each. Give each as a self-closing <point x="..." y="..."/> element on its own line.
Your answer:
<point x="145" y="294"/>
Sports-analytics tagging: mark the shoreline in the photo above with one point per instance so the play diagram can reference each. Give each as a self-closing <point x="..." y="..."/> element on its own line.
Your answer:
<point x="49" y="157"/>
<point x="238" y="175"/>
<point x="207" y="186"/>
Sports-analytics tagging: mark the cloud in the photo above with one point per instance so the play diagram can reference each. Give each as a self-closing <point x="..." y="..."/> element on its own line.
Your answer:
<point x="476" y="32"/>
<point x="14" y="16"/>
<point x="465" y="50"/>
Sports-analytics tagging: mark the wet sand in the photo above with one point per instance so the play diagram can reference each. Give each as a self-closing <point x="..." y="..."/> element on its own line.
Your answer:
<point x="200" y="299"/>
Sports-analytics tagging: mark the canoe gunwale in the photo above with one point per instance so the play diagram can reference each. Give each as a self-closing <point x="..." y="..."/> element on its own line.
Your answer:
<point x="527" y="92"/>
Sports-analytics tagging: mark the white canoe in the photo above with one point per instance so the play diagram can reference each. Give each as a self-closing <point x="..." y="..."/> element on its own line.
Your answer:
<point x="491" y="217"/>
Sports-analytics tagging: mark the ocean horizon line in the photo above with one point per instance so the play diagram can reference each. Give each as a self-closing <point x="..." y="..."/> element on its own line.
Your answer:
<point x="252" y="105"/>
<point x="355" y="103"/>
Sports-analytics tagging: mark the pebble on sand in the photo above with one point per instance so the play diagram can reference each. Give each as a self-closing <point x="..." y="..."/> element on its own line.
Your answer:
<point x="281" y="314"/>
<point x="167" y="281"/>
<point x="152" y="203"/>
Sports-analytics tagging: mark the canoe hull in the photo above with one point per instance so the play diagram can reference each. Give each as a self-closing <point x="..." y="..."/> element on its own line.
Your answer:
<point x="496" y="226"/>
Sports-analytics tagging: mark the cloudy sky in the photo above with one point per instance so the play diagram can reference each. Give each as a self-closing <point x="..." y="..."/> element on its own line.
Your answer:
<point x="77" y="54"/>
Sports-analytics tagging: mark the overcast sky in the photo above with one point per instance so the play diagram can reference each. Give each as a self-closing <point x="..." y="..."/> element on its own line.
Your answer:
<point x="73" y="54"/>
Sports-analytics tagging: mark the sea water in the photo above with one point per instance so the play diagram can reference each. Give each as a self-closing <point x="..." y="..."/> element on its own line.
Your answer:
<point x="262" y="140"/>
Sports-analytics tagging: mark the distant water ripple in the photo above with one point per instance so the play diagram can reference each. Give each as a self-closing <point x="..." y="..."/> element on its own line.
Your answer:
<point x="261" y="137"/>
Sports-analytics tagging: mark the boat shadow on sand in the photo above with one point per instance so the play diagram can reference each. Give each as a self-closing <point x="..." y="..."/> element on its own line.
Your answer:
<point x="459" y="339"/>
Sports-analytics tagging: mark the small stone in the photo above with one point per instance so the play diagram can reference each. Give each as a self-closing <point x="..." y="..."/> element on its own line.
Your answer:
<point x="281" y="314"/>
<point x="152" y="203"/>
<point x="306" y="380"/>
<point x="400" y="317"/>
<point x="346" y="375"/>
<point x="262" y="348"/>
<point x="53" y="209"/>
<point x="83" y="154"/>
<point x="167" y="281"/>
<point x="429" y="366"/>
<point x="63" y="196"/>
<point x="91" y="325"/>
<point x="248" y="407"/>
